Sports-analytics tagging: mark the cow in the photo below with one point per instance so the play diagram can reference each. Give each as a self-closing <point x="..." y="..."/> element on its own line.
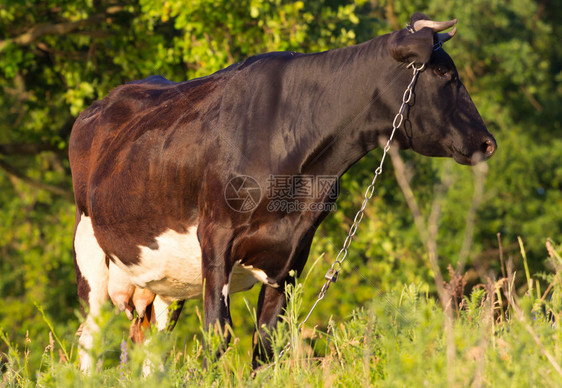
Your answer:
<point x="157" y="168"/>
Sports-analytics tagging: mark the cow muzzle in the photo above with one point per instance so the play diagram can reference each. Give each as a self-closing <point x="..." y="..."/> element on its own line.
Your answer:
<point x="475" y="154"/>
<point x="478" y="154"/>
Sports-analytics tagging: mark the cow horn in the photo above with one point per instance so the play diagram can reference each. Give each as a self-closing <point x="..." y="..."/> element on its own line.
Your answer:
<point x="445" y="36"/>
<point x="435" y="26"/>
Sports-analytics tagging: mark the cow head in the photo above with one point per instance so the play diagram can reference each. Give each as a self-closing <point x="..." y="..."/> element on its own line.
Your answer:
<point x="444" y="120"/>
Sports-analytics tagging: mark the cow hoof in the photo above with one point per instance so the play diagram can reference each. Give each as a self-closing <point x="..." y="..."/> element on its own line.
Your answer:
<point x="255" y="371"/>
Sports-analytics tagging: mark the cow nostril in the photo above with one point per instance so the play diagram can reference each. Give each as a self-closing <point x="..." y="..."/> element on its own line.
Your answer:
<point x="489" y="147"/>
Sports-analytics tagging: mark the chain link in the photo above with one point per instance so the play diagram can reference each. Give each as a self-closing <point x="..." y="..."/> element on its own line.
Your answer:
<point x="333" y="273"/>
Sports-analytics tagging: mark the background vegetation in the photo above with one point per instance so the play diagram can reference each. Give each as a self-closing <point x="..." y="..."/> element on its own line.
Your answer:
<point x="57" y="56"/>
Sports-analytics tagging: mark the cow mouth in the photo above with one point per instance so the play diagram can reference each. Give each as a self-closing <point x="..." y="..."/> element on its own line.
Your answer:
<point x="468" y="159"/>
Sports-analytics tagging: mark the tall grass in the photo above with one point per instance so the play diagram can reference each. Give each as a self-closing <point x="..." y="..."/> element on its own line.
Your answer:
<point x="501" y="338"/>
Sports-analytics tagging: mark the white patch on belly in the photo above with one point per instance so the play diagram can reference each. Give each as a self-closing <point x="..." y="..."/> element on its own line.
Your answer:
<point x="173" y="270"/>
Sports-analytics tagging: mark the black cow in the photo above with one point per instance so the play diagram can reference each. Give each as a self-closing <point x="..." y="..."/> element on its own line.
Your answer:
<point x="170" y="178"/>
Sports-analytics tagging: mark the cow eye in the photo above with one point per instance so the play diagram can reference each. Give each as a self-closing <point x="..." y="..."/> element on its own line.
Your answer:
<point x="440" y="71"/>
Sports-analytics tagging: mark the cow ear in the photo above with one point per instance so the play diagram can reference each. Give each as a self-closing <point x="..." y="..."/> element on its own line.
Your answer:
<point x="412" y="47"/>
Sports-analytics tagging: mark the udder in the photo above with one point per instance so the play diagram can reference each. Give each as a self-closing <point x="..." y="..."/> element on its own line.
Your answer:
<point x="125" y="295"/>
<point x="141" y="299"/>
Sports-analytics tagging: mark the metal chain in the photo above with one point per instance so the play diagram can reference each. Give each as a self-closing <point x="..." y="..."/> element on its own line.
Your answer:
<point x="332" y="274"/>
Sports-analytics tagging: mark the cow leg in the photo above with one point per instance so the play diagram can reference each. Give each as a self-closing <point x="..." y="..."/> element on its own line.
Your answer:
<point x="271" y="303"/>
<point x="165" y="316"/>
<point x="216" y="279"/>
<point x="141" y="324"/>
<point x="217" y="311"/>
<point x="159" y="313"/>
<point x="92" y="275"/>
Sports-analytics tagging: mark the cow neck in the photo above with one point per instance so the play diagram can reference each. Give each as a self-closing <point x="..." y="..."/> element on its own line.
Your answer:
<point x="351" y="112"/>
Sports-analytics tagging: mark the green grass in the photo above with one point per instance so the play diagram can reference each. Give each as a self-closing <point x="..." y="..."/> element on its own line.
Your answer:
<point x="496" y="338"/>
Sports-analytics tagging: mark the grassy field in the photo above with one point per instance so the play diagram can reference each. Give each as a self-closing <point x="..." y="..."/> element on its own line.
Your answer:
<point x="495" y="336"/>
